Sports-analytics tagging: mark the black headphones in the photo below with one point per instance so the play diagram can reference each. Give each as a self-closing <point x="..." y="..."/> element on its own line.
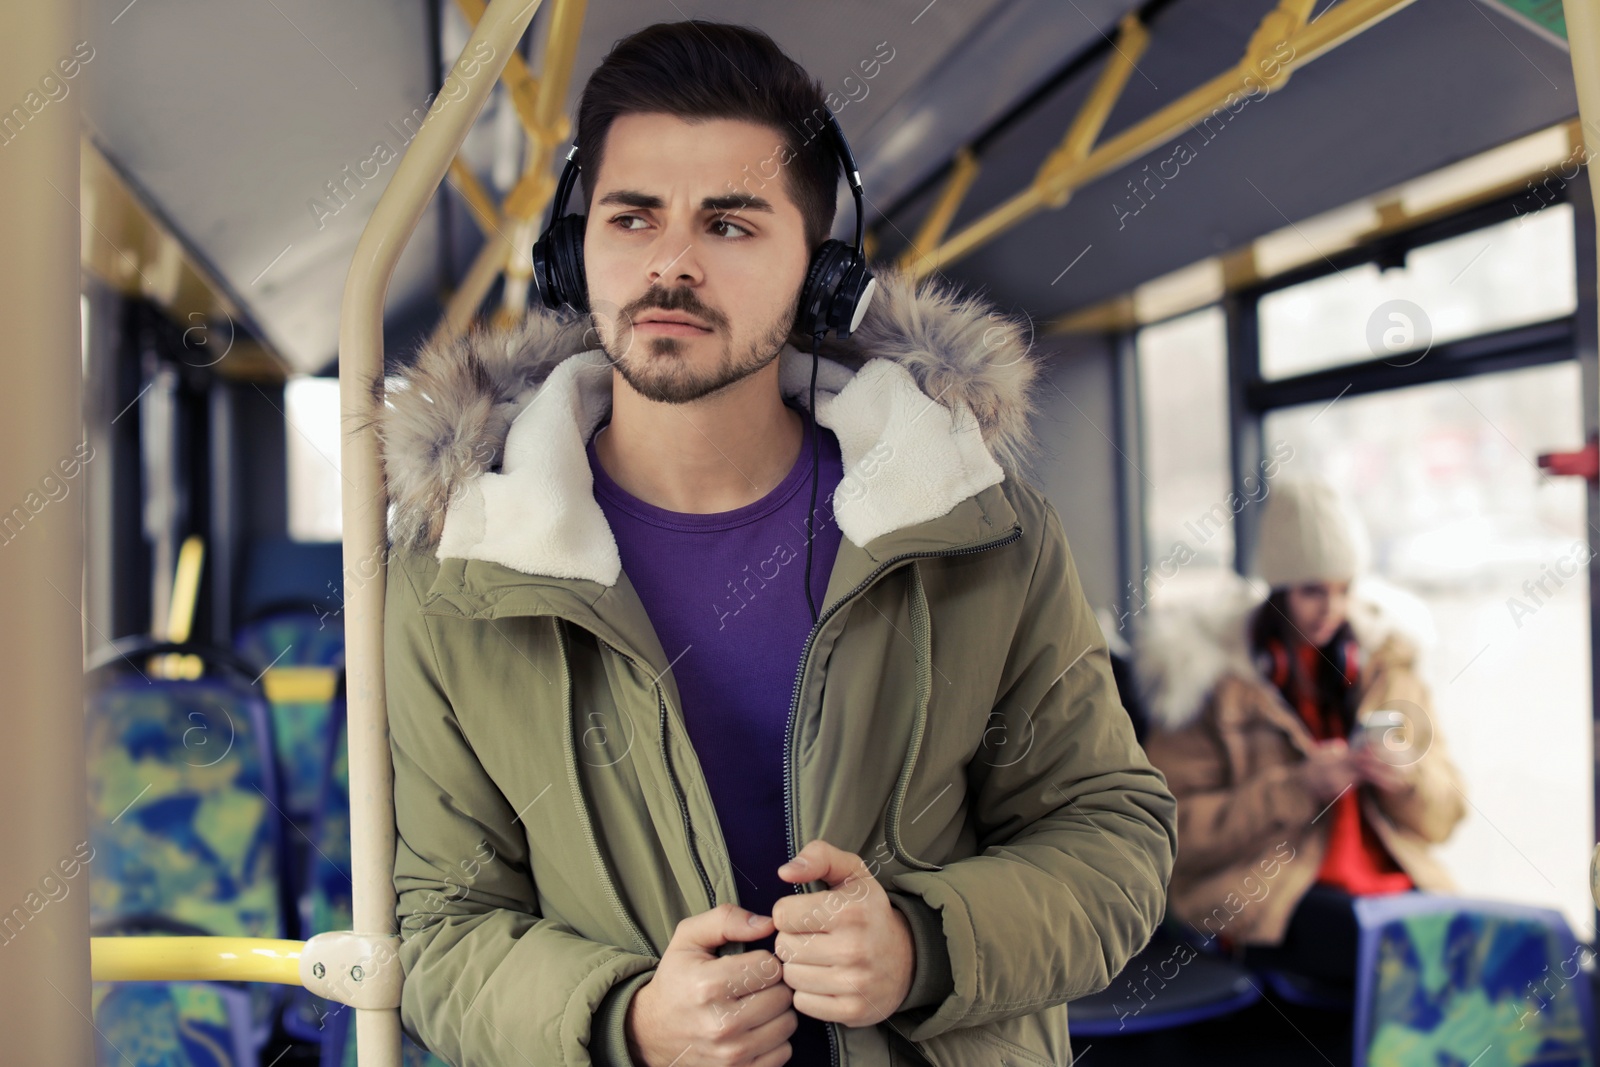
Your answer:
<point x="838" y="284"/>
<point x="837" y="290"/>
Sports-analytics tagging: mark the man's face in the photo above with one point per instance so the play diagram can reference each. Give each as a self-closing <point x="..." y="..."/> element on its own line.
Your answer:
<point x="694" y="262"/>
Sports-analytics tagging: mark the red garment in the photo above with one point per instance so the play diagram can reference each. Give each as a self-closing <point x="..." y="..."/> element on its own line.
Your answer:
<point x="1356" y="860"/>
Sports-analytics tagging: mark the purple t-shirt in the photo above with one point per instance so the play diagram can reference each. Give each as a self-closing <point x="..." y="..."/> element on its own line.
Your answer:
<point x="725" y="593"/>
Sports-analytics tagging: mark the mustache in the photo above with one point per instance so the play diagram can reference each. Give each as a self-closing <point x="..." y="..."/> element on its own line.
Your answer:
<point x="674" y="299"/>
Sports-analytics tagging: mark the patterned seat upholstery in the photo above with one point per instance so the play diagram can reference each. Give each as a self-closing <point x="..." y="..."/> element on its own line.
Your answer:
<point x="1444" y="980"/>
<point x="186" y="835"/>
<point x="286" y="641"/>
<point x="326" y="905"/>
<point x="172" y="1024"/>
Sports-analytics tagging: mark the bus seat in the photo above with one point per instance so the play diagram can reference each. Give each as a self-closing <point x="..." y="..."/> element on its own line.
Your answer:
<point x="1167" y="984"/>
<point x="1443" y="979"/>
<point x="325" y="904"/>
<point x="173" y="1024"/>
<point x="187" y="837"/>
<point x="1308" y="991"/>
<point x="300" y="651"/>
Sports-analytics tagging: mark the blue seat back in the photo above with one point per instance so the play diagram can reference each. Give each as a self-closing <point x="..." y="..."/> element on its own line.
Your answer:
<point x="183" y="811"/>
<point x="172" y="1024"/>
<point x="289" y="638"/>
<point x="1448" y="980"/>
<point x="326" y="905"/>
<point x="186" y="830"/>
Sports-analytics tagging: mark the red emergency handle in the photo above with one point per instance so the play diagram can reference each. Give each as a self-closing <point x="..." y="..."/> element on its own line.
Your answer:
<point x="1584" y="463"/>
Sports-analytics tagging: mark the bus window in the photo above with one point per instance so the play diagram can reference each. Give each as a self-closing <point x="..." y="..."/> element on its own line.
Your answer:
<point x="311" y="408"/>
<point x="1509" y="274"/>
<point x="1183" y="418"/>
<point x="1444" y="476"/>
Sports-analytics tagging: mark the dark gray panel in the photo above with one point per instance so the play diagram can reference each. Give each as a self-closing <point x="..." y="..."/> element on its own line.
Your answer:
<point x="1078" y="459"/>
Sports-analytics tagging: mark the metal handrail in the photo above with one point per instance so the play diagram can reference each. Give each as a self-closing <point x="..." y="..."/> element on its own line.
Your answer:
<point x="1067" y="171"/>
<point x="399" y="210"/>
<point x="195" y="959"/>
<point x="395" y="219"/>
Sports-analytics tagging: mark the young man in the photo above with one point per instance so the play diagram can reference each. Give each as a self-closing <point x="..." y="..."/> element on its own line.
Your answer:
<point x="649" y="812"/>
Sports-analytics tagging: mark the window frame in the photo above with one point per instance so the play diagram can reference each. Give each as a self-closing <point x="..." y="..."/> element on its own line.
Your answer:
<point x="1252" y="396"/>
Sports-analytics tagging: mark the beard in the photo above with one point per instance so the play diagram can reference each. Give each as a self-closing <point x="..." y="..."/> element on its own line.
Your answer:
<point x="662" y="373"/>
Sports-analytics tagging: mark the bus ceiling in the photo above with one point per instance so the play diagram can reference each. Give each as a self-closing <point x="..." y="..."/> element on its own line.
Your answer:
<point x="1408" y="88"/>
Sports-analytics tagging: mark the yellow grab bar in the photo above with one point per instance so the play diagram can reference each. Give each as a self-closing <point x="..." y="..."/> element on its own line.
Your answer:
<point x="194" y="959"/>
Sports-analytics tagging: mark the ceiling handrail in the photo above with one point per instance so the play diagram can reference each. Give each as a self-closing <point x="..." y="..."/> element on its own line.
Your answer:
<point x="1062" y="174"/>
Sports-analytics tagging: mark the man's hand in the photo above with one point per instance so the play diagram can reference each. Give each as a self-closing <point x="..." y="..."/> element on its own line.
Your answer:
<point x="847" y="952"/>
<point x="704" y="1010"/>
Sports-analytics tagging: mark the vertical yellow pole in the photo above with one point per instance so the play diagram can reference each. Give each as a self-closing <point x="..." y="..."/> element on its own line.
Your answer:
<point x="372" y="837"/>
<point x="1583" y="39"/>
<point x="44" y="935"/>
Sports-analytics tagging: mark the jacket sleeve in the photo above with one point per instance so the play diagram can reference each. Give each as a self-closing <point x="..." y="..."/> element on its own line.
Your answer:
<point x="1075" y="838"/>
<point x="489" y="981"/>
<point x="1221" y="821"/>
<point x="1436" y="802"/>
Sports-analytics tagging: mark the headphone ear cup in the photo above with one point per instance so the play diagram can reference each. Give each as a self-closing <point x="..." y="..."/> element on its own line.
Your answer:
<point x="544" y="272"/>
<point x="850" y="303"/>
<point x="558" y="265"/>
<point x="829" y="265"/>
<point x="567" y="241"/>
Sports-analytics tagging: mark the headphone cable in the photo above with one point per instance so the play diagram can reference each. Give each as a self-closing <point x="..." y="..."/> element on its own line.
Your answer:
<point x="816" y="446"/>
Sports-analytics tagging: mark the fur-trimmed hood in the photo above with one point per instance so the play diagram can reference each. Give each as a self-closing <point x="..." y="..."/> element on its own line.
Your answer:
<point x="1184" y="647"/>
<point x="484" y="437"/>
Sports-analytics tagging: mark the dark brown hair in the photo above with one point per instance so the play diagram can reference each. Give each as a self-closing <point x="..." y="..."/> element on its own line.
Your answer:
<point x="715" y="70"/>
<point x="1271" y="624"/>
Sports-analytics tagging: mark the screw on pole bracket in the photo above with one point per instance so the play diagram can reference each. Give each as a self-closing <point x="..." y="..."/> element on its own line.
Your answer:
<point x="358" y="970"/>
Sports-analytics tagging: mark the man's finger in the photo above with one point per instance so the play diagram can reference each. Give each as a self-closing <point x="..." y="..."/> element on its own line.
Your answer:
<point x="838" y="1009"/>
<point x="747" y="973"/>
<point x="829" y="911"/>
<point x="721" y="924"/>
<point x="820" y="860"/>
<point x="818" y="978"/>
<point x="761" y="1007"/>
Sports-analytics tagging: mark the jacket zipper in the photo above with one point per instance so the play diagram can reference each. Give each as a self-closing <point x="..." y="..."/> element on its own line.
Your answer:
<point x="588" y="824"/>
<point x="791" y="829"/>
<point x="683" y="804"/>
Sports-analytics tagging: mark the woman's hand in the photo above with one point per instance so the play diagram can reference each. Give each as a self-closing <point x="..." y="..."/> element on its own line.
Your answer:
<point x="1375" y="771"/>
<point x="1330" y="769"/>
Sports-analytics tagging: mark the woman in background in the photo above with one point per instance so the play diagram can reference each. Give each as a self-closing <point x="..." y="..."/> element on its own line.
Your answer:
<point x="1300" y="742"/>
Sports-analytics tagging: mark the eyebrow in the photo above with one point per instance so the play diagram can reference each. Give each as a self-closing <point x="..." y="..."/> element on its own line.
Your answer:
<point x="731" y="202"/>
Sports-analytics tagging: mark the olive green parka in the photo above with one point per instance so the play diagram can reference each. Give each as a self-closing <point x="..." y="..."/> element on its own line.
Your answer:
<point x="953" y="721"/>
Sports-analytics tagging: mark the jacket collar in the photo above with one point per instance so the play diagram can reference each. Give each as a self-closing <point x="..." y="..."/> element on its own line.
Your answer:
<point x="484" y="437"/>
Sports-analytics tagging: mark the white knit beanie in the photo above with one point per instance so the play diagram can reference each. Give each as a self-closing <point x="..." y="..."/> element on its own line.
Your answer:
<point x="1309" y="533"/>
